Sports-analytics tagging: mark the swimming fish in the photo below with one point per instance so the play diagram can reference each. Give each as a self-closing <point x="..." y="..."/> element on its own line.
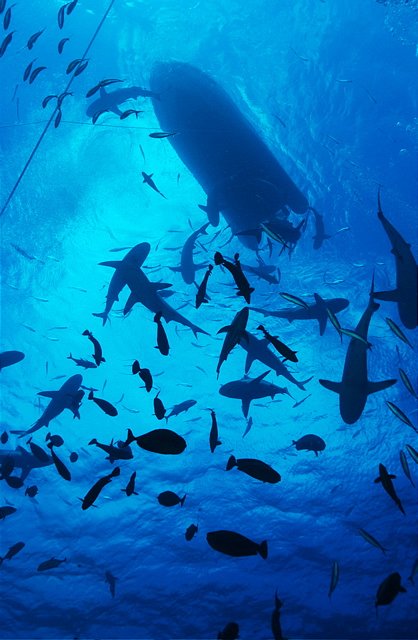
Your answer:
<point x="80" y="362"/>
<point x="93" y="493"/>
<point x="98" y="353"/>
<point x="130" y="112"/>
<point x="235" y="544"/>
<point x="191" y="532"/>
<point x="407" y="383"/>
<point x="150" y="182"/>
<point x="159" y="408"/>
<point x="276" y="626"/>
<point x="213" y="435"/>
<point x="6" y="511"/>
<point x="144" y="374"/>
<point x="34" y="38"/>
<point x="161" y="134"/>
<point x="405" y="466"/>
<point x="389" y="589"/>
<point x="35" y="73"/>
<point x="104" y="405"/>
<point x="243" y="286"/>
<point x="61" y="44"/>
<point x="310" y="442"/>
<point x="235" y="332"/>
<point x="372" y="540"/>
<point x="13" y="550"/>
<point x="283" y="349"/>
<point x="162" y="340"/>
<point x="254" y="468"/>
<point x="170" y="499"/>
<point x="400" y="415"/>
<point x="130" y="487"/>
<point x="8" y="358"/>
<point x="294" y="299"/>
<point x="59" y="465"/>
<point x="52" y="563"/>
<point x="230" y="632"/>
<point x="335" y="574"/>
<point x="386" y="479"/>
<point x="123" y="452"/>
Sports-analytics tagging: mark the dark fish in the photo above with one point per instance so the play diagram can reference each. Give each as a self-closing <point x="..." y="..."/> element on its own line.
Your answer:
<point x="7" y="358"/>
<point x="371" y="540"/>
<point x="35" y="73"/>
<point x="102" y="83"/>
<point x="61" y="44"/>
<point x="7" y="466"/>
<point x="386" y="479"/>
<point x="70" y="7"/>
<point x="191" y="532"/>
<point x="283" y="349"/>
<point x="80" y="68"/>
<point x="405" y="466"/>
<point x="130" y="112"/>
<point x="27" y="72"/>
<point x="159" y="408"/>
<point x="237" y="273"/>
<point x="34" y="38"/>
<point x="230" y="632"/>
<point x="412" y="452"/>
<point x="162" y="441"/>
<point x="38" y="452"/>
<point x="400" y="414"/>
<point x="52" y="563"/>
<point x="144" y="374"/>
<point x="235" y="544"/>
<point x="104" y="405"/>
<point x="98" y="353"/>
<point x="335" y="574"/>
<point x="161" y="134"/>
<point x="111" y="580"/>
<point x="73" y="64"/>
<point x="61" y="16"/>
<point x="150" y="182"/>
<point x="235" y="332"/>
<point x="58" y="119"/>
<point x="80" y="362"/>
<point x="291" y="298"/>
<point x="213" y="436"/>
<point x="182" y="407"/>
<point x="2" y="6"/>
<point x="120" y="452"/>
<point x="31" y="491"/>
<point x="7" y="40"/>
<point x="389" y="589"/>
<point x="309" y="442"/>
<point x="6" y="511"/>
<point x="13" y="550"/>
<point x="276" y="626"/>
<point x="201" y="296"/>
<point x="7" y="18"/>
<point x="162" y="340"/>
<point x="130" y="487"/>
<point x="170" y="499"/>
<point x="254" y="468"/>
<point x="73" y="456"/>
<point x="94" y="492"/>
<point x="4" y="437"/>
<point x="59" y="465"/>
<point x="55" y="440"/>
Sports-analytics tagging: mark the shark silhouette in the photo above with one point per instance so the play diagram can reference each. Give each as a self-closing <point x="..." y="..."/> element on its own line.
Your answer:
<point x="355" y="386"/>
<point x="187" y="267"/>
<point x="110" y="100"/>
<point x="249" y="389"/>
<point x="23" y="460"/>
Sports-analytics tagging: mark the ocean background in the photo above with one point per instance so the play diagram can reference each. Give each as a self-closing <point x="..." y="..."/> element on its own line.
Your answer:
<point x="331" y="86"/>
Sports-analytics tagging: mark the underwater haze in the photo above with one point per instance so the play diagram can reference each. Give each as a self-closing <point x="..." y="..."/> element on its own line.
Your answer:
<point x="175" y="176"/>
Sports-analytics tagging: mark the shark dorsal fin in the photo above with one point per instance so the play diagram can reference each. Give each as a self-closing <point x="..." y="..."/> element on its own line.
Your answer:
<point x="48" y="394"/>
<point x="261" y="377"/>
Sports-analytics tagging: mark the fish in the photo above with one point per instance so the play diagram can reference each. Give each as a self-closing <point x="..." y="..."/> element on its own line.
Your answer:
<point x="400" y="415"/>
<point x="162" y="134"/>
<point x="130" y="112"/>
<point x="254" y="468"/>
<point x="130" y="487"/>
<point x="13" y="550"/>
<point x="61" y="44"/>
<point x="405" y="466"/>
<point x="114" y="452"/>
<point x="163" y="441"/>
<point x="412" y="452"/>
<point x="213" y="435"/>
<point x="6" y="511"/>
<point x="355" y="386"/>
<point x="102" y="83"/>
<point x="104" y="405"/>
<point x="235" y="544"/>
<point x="356" y="336"/>
<point x="21" y="459"/>
<point x="150" y="182"/>
<point x="159" y="409"/>
<point x="81" y="67"/>
<point x="243" y="286"/>
<point x="98" y="353"/>
<point x="58" y="119"/>
<point x="59" y="465"/>
<point x="230" y="632"/>
<point x="162" y="340"/>
<point x="398" y="332"/>
<point x="406" y="293"/>
<point x="187" y="266"/>
<point x="283" y="349"/>
<point x="73" y="64"/>
<point x="170" y="499"/>
<point x="248" y="389"/>
<point x="35" y="73"/>
<point x="144" y="374"/>
<point x="52" y="563"/>
<point x="56" y="440"/>
<point x="32" y="491"/>
<point x="37" y="451"/>
<point x="297" y="404"/>
<point x="93" y="493"/>
<point x="335" y="323"/>
<point x="191" y="531"/>
<point x="310" y="442"/>
<point x="6" y="42"/>
<point x="294" y="299"/>
<point x="389" y="589"/>
<point x="276" y="626"/>
<point x="73" y="456"/>
<point x="335" y="574"/>
<point x="61" y="16"/>
<point x="9" y="358"/>
<point x="80" y="362"/>
<point x="201" y="296"/>
<point x="235" y="332"/>
<point x="407" y="383"/>
<point x="182" y="407"/>
<point x="320" y="234"/>
<point x="4" y="437"/>
<point x="110" y="100"/>
<point x="34" y="38"/>
<point x="111" y="580"/>
<point x="386" y="479"/>
<point x="26" y="75"/>
<point x="7" y="18"/>
<point x="372" y="540"/>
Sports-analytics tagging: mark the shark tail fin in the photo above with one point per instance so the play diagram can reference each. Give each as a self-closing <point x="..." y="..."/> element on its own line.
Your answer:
<point x="232" y="462"/>
<point x="101" y="315"/>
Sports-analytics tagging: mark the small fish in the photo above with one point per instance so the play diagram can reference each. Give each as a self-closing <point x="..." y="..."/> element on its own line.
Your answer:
<point x="412" y="452"/>
<point x="58" y="119"/>
<point x="201" y="296"/>
<point x="389" y="589"/>
<point x="7" y="18"/>
<point x="400" y="415"/>
<point x="31" y="491"/>
<point x="386" y="480"/>
<point x="310" y="442"/>
<point x="93" y="493"/>
<point x="80" y="362"/>
<point x="130" y="487"/>
<point x="343" y="81"/>
<point x="162" y="441"/>
<point x="181" y="407"/>
<point x="111" y="580"/>
<point x="80" y="68"/>
<point x="61" y="16"/>
<point x="407" y="383"/>
<point x="100" y="85"/>
<point x="61" y="98"/>
<point x="159" y="409"/>
<point x="229" y="632"/>
<point x="213" y="435"/>
<point x="70" y="7"/>
<point x="38" y="452"/>
<point x="144" y="374"/>
<point x="235" y="544"/>
<point x="275" y="619"/>
<point x="335" y="322"/>
<point x="59" y="465"/>
<point x="34" y="38"/>
<point x="27" y="71"/>
<point x="7" y="40"/>
<point x="254" y="468"/>
<point x="372" y="540"/>
<point x="294" y="299"/>
<point x="191" y="532"/>
<point x="405" y="466"/>
<point x="335" y="574"/>
<point x="283" y="349"/>
<point x="52" y="563"/>
<point x="170" y="499"/>
<point x="297" y="404"/>
<point x="56" y="440"/>
<point x="161" y="134"/>
<point x="73" y="456"/>
<point x="104" y="405"/>
<point x="73" y="64"/>
<point x="61" y="44"/>
<point x="13" y="550"/>
<point x="398" y="332"/>
<point x="356" y="336"/>
<point x="130" y="112"/>
<point x="35" y="73"/>
<point x="162" y="340"/>
<point x="4" y="437"/>
<point x="98" y="353"/>
<point x="150" y="182"/>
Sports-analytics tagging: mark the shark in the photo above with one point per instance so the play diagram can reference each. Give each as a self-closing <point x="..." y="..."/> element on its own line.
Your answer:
<point x="355" y="386"/>
<point x="23" y="460"/>
<point x="316" y="311"/>
<point x="320" y="234"/>
<point x="187" y="266"/>
<point x="406" y="292"/>
<point x="68" y="396"/>
<point x="249" y="389"/>
<point x="258" y="350"/>
<point x="134" y="258"/>
<point x="110" y="100"/>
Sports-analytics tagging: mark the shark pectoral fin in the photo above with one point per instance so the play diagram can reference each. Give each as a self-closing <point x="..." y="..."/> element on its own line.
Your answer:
<point x="248" y="362"/>
<point x="246" y="406"/>
<point x="374" y="387"/>
<point x="389" y="296"/>
<point x="322" y="324"/>
<point x="130" y="303"/>
<point x="48" y="394"/>
<point x="111" y="263"/>
<point x="224" y="329"/>
<point x="162" y="285"/>
<point x="165" y="294"/>
<point x="176" y="269"/>
<point x="331" y="386"/>
<point x="261" y="377"/>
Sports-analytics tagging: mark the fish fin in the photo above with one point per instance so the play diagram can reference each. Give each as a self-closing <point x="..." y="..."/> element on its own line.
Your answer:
<point x="183" y="499"/>
<point x="130" y="303"/>
<point x="263" y="550"/>
<point x="176" y="269"/>
<point x="47" y="394"/>
<point x="103" y="316"/>
<point x="246" y="406"/>
<point x="111" y="263"/>
<point x="388" y="296"/>
<point x="232" y="462"/>
<point x="331" y="386"/>
<point x="224" y="329"/>
<point x="373" y="387"/>
<point x="261" y="377"/>
<point x="322" y="324"/>
<point x="248" y="362"/>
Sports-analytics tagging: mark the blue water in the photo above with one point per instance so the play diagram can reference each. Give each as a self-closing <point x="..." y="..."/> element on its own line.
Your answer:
<point x="341" y="76"/>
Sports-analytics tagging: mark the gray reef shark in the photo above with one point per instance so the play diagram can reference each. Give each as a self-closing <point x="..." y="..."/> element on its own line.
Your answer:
<point x="110" y="100"/>
<point x="187" y="266"/>
<point x="355" y="386"/>
<point x="316" y="311"/>
<point x="24" y="460"/>
<point x="248" y="389"/>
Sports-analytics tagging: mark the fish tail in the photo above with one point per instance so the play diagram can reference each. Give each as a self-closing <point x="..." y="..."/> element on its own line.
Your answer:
<point x="86" y="333"/>
<point x="94" y="441"/>
<point x="115" y="472"/>
<point x="91" y="396"/>
<point x="232" y="462"/>
<point x="131" y="438"/>
<point x="101" y="315"/>
<point x="263" y="550"/>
